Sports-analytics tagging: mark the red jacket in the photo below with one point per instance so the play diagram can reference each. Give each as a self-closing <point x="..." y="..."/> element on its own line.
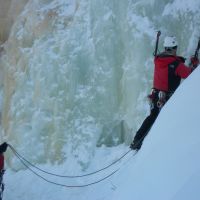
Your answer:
<point x="168" y="72"/>
<point x="1" y="162"/>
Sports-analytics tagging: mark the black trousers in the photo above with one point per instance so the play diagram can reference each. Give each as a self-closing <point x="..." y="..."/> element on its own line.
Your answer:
<point x="149" y="121"/>
<point x="146" y="126"/>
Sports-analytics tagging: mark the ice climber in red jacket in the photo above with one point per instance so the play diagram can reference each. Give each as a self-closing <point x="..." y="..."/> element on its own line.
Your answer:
<point x="168" y="72"/>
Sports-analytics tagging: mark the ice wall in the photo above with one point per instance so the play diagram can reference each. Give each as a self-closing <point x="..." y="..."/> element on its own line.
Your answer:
<point x="76" y="72"/>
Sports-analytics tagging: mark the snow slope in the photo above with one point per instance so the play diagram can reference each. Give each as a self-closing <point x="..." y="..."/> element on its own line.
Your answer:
<point x="167" y="167"/>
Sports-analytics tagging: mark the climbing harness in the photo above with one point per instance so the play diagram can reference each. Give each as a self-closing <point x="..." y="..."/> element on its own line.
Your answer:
<point x="161" y="99"/>
<point x="151" y="98"/>
<point x="29" y="166"/>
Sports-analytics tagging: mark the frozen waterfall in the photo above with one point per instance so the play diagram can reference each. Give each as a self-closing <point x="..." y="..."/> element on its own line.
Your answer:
<point x="75" y="73"/>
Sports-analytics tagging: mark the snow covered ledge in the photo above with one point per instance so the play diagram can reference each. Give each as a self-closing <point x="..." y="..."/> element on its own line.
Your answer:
<point x="167" y="167"/>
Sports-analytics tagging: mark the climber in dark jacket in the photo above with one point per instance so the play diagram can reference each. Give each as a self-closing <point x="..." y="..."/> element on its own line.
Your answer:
<point x="3" y="148"/>
<point x="168" y="72"/>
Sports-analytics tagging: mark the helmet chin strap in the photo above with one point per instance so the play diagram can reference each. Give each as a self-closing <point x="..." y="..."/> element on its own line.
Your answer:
<point x="170" y="51"/>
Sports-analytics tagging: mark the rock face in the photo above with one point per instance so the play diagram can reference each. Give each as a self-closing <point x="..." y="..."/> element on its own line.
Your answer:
<point x="9" y="10"/>
<point x="4" y="20"/>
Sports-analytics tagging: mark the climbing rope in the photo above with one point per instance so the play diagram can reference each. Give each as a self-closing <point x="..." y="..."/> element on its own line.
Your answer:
<point x="66" y="176"/>
<point x="60" y="184"/>
<point x="28" y="165"/>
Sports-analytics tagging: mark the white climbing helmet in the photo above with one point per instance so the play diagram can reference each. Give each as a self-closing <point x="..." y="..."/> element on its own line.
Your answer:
<point x="170" y="41"/>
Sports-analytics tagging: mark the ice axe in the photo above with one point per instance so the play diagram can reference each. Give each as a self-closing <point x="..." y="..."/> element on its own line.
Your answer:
<point x="194" y="61"/>
<point x="157" y="40"/>
<point x="197" y="49"/>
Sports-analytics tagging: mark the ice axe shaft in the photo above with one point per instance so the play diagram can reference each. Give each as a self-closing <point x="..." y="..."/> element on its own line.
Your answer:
<point x="157" y="41"/>
<point x="197" y="49"/>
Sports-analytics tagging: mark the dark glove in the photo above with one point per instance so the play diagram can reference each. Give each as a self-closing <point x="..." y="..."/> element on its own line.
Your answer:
<point x="3" y="147"/>
<point x="182" y="59"/>
<point x="194" y="61"/>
